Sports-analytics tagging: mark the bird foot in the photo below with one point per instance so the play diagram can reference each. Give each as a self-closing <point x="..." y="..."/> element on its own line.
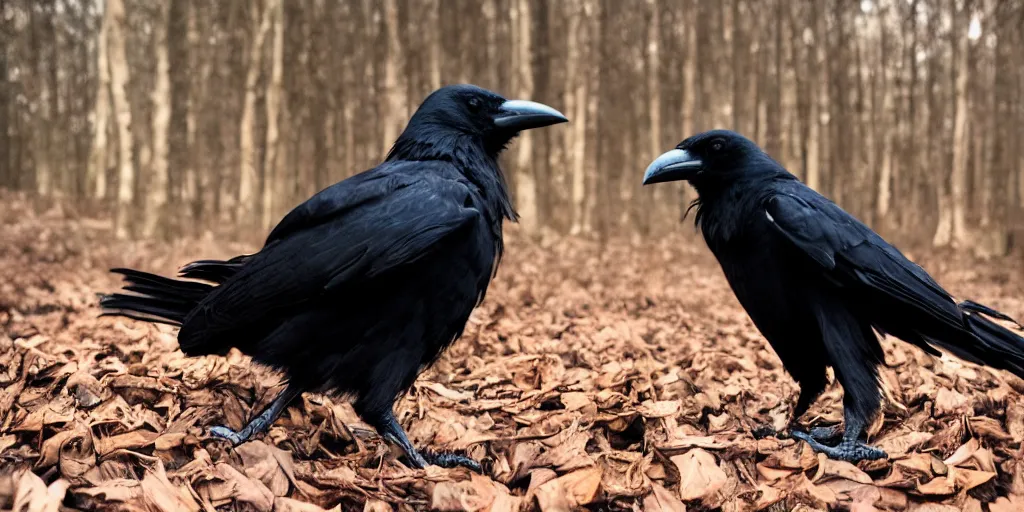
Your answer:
<point x="236" y="438"/>
<point x="451" y="460"/>
<point x="825" y="433"/>
<point x="816" y="433"/>
<point x="847" y="449"/>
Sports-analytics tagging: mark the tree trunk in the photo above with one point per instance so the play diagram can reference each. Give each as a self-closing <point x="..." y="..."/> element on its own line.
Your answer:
<point x="123" y="117"/>
<point x="97" y="170"/>
<point x="270" y="171"/>
<point x="394" y="89"/>
<point x="575" y="100"/>
<point x="247" y="178"/>
<point x="522" y="84"/>
<point x="951" y="229"/>
<point x="156" y="197"/>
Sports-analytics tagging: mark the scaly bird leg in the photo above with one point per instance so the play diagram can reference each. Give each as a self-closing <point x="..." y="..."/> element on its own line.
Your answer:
<point x="261" y="422"/>
<point x="850" y="448"/>
<point x="389" y="428"/>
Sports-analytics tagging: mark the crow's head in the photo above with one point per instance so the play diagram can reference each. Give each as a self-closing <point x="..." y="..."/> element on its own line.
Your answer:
<point x="474" y="111"/>
<point x="705" y="157"/>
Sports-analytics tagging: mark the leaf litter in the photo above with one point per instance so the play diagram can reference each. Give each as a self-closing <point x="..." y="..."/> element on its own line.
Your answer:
<point x="603" y="378"/>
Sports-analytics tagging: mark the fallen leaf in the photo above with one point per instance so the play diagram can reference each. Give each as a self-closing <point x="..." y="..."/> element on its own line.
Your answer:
<point x="699" y="475"/>
<point x="662" y="500"/>
<point x="828" y="468"/>
<point x="658" y="409"/>
<point x="479" y="493"/>
<point x="130" y="441"/>
<point x="569" y="491"/>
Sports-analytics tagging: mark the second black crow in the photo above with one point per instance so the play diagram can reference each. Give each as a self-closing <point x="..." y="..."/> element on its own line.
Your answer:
<point x="819" y="284"/>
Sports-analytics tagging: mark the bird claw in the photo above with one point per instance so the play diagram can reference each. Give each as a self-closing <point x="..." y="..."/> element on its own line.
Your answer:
<point x="227" y="433"/>
<point x="451" y="460"/>
<point x="847" y="450"/>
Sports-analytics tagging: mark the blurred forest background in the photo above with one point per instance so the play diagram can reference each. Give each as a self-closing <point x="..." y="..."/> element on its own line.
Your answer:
<point x="183" y="115"/>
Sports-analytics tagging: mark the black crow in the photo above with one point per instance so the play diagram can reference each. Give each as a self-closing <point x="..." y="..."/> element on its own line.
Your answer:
<point x="818" y="283"/>
<point x="361" y="287"/>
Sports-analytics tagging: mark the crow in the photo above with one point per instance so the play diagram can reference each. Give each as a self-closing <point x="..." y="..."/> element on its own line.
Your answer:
<point x="819" y="284"/>
<point x="360" y="288"/>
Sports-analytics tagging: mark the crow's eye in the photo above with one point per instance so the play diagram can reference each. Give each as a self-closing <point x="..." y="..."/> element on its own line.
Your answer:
<point x="474" y="104"/>
<point x="716" y="145"/>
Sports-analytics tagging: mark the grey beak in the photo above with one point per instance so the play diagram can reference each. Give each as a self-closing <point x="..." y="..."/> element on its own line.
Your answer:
<point x="521" y="115"/>
<point x="674" y="165"/>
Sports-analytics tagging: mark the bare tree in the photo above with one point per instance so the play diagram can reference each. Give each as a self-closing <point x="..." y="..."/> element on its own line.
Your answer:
<point x="270" y="167"/>
<point x="247" y="176"/>
<point x="122" y="116"/>
<point x="156" y="197"/>
<point x="97" y="177"/>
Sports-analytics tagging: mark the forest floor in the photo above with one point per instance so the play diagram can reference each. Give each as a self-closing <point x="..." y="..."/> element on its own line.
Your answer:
<point x="618" y="379"/>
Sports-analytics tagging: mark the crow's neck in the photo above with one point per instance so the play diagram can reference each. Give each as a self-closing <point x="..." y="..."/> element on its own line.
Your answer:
<point x="723" y="206"/>
<point x="473" y="159"/>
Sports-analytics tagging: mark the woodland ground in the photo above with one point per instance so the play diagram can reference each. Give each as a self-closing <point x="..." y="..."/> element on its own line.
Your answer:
<point x="621" y="379"/>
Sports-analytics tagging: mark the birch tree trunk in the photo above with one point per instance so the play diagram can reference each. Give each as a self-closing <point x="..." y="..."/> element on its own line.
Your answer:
<point x="96" y="179"/>
<point x="394" y="88"/>
<point x="526" y="185"/>
<point x="951" y="229"/>
<point x="156" y="197"/>
<point x="270" y="170"/>
<point x="576" y="104"/>
<point x="123" y="117"/>
<point x="247" y="151"/>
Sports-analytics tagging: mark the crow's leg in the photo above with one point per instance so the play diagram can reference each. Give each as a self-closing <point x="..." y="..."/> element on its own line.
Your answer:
<point x="261" y="422"/>
<point x="825" y="433"/>
<point x="389" y="428"/>
<point x="810" y="388"/>
<point x="850" y="448"/>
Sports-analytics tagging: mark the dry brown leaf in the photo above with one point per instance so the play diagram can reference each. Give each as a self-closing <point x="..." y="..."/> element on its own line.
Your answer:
<point x="479" y="493"/>
<point x="963" y="453"/>
<point x="130" y="441"/>
<point x="813" y="495"/>
<point x="283" y="504"/>
<point x="160" y="494"/>
<point x="662" y="500"/>
<point x="230" y="485"/>
<point x="767" y="496"/>
<point x="569" y="491"/>
<point x="899" y="445"/>
<point x="932" y="507"/>
<point x="31" y="494"/>
<point x="444" y="392"/>
<point x="938" y="486"/>
<point x="967" y="479"/>
<point x="112" y="491"/>
<point x="268" y="464"/>
<point x="575" y="400"/>
<point x="373" y="505"/>
<point x="660" y="409"/>
<point x="1007" y="504"/>
<point x="828" y="468"/>
<point x="699" y="475"/>
<point x="772" y="474"/>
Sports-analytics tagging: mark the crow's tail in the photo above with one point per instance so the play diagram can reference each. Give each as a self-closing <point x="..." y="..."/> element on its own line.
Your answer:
<point x="164" y="300"/>
<point x="154" y="298"/>
<point x="994" y="345"/>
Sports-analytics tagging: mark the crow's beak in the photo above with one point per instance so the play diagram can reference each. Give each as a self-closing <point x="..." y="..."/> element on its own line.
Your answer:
<point x="521" y="115"/>
<point x="674" y="165"/>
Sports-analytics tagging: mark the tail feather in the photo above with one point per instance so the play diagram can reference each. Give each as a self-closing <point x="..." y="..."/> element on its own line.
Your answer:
<point x="153" y="298"/>
<point x="997" y="346"/>
<point x="215" y="271"/>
